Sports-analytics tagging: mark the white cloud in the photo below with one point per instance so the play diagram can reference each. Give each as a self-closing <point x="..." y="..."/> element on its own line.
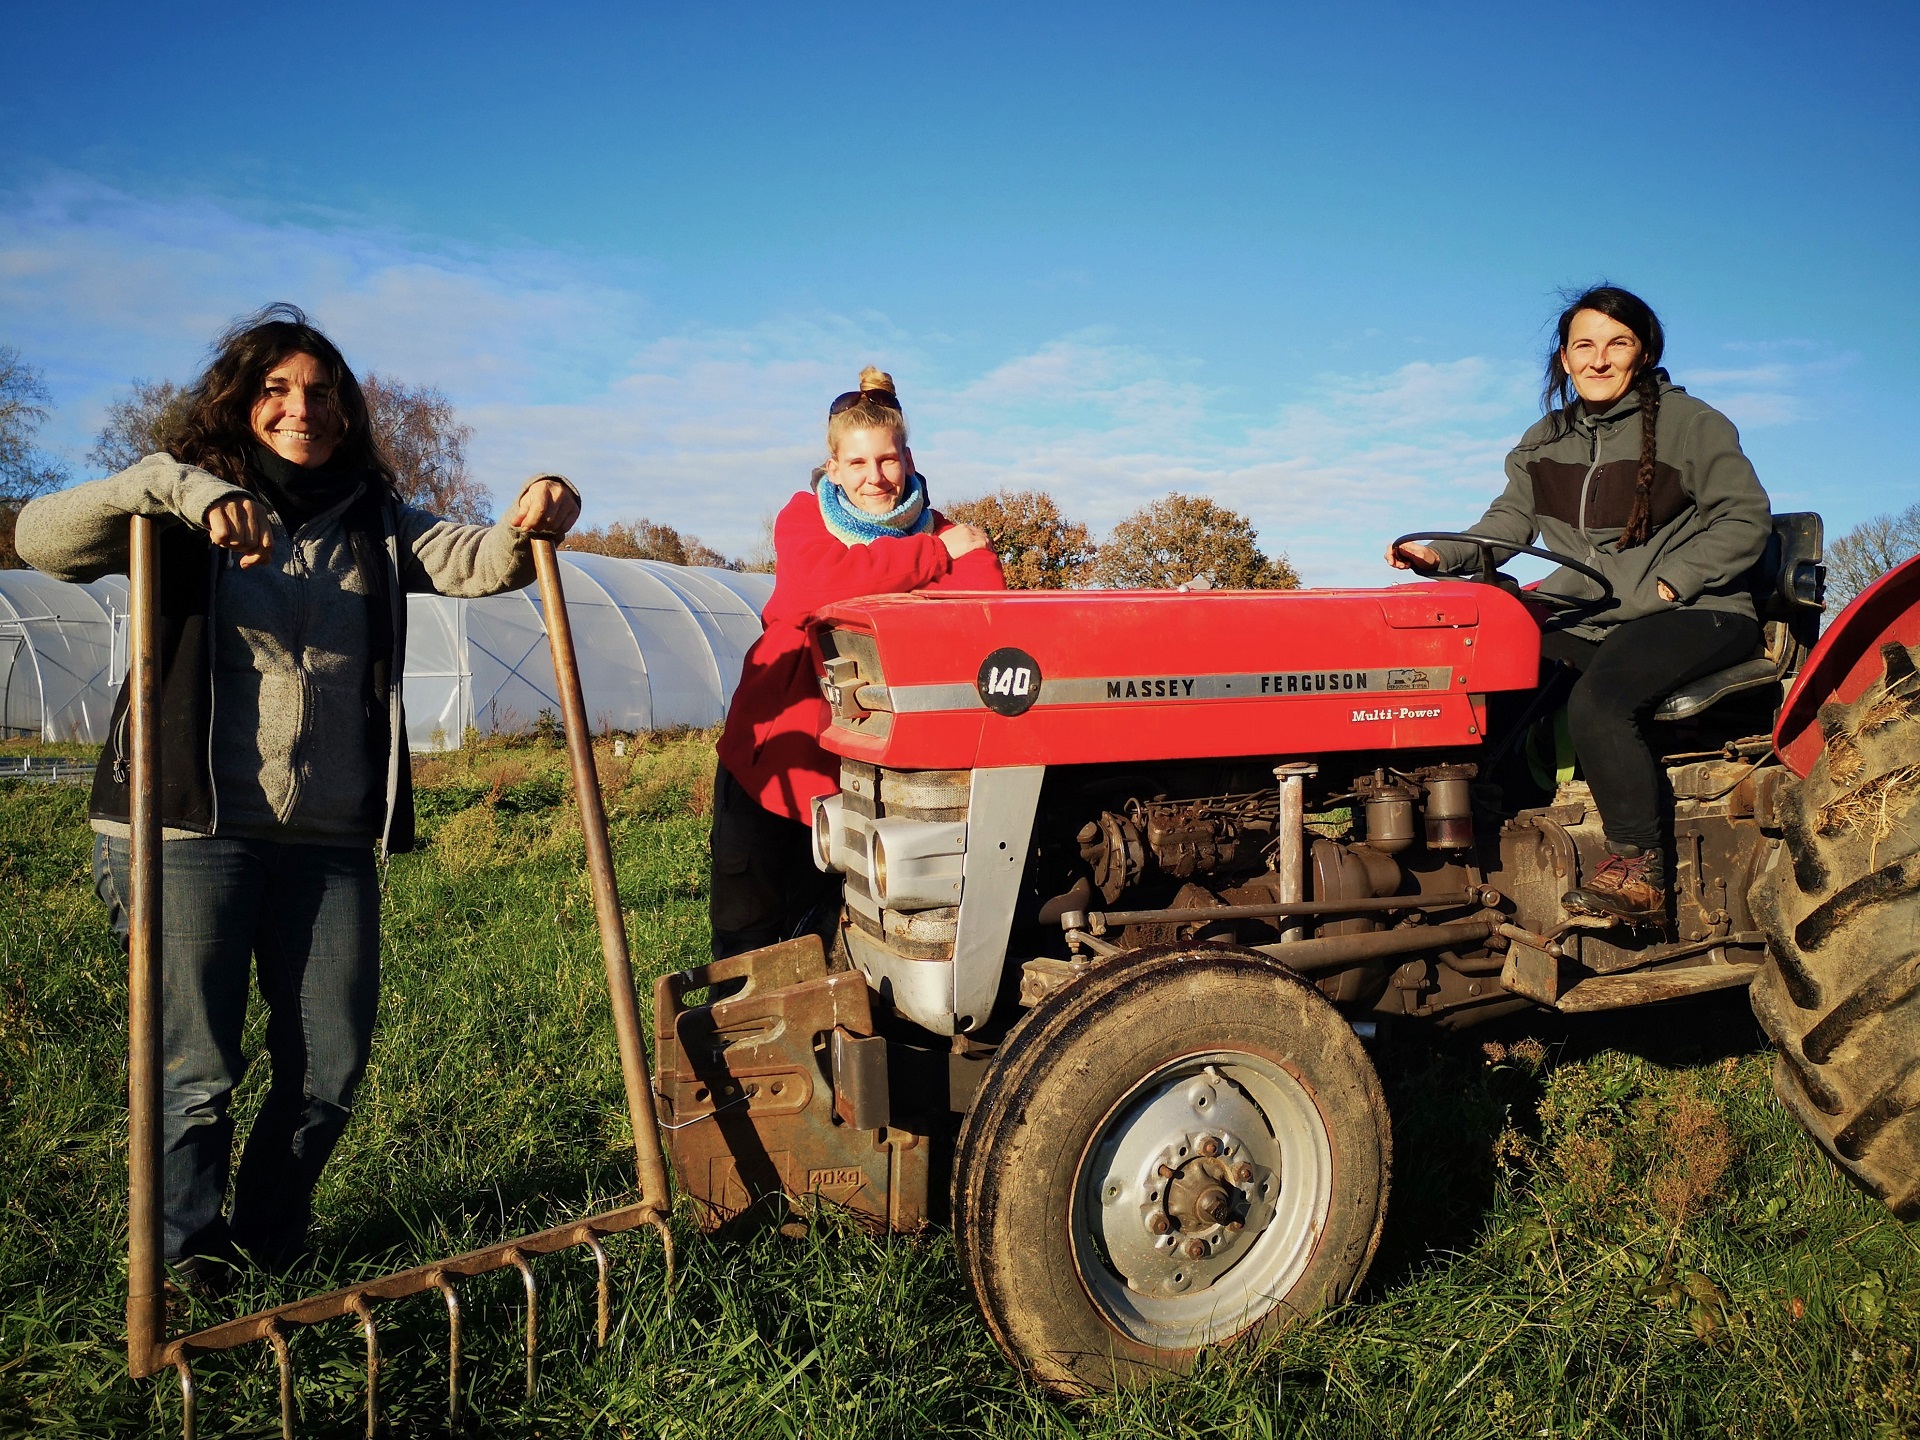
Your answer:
<point x="563" y="363"/>
<point x="1781" y="382"/>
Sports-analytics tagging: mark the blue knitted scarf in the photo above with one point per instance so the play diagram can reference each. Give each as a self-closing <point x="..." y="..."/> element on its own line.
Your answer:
<point x="851" y="525"/>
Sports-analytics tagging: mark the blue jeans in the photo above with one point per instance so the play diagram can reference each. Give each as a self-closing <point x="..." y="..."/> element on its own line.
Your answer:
<point x="309" y="917"/>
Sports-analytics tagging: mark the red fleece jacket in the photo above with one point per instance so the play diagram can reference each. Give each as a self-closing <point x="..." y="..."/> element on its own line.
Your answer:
<point x="772" y="741"/>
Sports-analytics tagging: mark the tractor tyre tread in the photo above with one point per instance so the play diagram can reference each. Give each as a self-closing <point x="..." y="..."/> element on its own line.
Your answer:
<point x="1840" y="904"/>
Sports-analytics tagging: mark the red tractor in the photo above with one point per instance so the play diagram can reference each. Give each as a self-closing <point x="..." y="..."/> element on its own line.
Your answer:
<point x="1131" y="877"/>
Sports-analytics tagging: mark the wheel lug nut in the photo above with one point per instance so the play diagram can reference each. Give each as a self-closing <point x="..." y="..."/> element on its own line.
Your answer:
<point x="1158" y="1224"/>
<point x="1242" y="1173"/>
<point x="1196" y="1249"/>
<point x="1209" y="1147"/>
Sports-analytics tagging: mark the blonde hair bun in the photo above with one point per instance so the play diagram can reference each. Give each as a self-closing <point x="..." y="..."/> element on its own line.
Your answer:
<point x="869" y="411"/>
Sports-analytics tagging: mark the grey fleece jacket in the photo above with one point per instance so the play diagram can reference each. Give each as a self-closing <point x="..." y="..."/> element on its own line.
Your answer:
<point x="290" y="641"/>
<point x="1710" y="516"/>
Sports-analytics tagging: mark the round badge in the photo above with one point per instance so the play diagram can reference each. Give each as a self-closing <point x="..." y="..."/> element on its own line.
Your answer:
<point x="1009" y="681"/>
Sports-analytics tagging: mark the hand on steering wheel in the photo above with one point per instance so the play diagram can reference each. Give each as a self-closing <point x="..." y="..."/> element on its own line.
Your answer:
<point x="1404" y="553"/>
<point x="1423" y="559"/>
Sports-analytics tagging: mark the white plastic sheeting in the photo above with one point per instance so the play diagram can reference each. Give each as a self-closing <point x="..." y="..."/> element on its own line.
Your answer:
<point x="63" y="651"/>
<point x="659" y="645"/>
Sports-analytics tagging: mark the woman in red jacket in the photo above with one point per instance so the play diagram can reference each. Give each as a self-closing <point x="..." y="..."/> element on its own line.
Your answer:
<point x="865" y="528"/>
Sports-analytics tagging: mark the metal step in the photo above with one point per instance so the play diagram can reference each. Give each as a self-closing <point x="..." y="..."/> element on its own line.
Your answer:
<point x="1617" y="992"/>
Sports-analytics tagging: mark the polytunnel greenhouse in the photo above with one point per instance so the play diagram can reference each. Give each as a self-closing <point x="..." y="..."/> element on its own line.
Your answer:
<point x="659" y="645"/>
<point x="63" y="649"/>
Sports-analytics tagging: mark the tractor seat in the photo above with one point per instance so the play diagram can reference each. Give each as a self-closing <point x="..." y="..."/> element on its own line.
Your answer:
<point x="1787" y="583"/>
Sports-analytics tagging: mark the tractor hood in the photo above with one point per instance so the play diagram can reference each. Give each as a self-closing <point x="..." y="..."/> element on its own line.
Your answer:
<point x="955" y="680"/>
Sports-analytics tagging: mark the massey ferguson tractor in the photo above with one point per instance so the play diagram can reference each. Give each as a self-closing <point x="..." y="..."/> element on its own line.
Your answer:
<point x="1130" y="877"/>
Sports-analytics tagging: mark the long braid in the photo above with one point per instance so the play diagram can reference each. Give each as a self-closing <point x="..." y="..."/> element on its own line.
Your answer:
<point x="1640" y="518"/>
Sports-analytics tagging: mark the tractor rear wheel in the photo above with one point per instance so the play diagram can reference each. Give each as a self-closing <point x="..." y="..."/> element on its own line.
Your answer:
<point x="1840" y="904"/>
<point x="1185" y="1148"/>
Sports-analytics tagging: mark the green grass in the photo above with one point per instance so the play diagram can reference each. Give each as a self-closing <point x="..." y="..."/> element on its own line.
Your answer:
<point x="1609" y="1229"/>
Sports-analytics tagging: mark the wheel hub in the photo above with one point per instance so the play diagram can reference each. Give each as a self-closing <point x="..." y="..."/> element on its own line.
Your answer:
<point x="1189" y="1188"/>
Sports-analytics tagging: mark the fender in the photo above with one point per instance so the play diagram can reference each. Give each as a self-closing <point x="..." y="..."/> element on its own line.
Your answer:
<point x="1847" y="660"/>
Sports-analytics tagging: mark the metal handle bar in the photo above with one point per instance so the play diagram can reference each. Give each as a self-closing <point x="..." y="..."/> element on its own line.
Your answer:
<point x="650" y="1161"/>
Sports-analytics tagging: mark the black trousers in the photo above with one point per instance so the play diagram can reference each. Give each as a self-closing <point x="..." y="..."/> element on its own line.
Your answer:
<point x="1622" y="679"/>
<point x="765" y="886"/>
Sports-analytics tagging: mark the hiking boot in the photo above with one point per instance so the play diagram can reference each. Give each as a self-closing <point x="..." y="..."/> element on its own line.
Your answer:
<point x="1630" y="887"/>
<point x="204" y="1277"/>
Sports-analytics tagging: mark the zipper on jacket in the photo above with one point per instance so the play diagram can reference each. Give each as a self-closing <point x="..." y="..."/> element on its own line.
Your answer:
<point x="396" y="666"/>
<point x="297" y="569"/>
<point x="122" y="770"/>
<point x="213" y="690"/>
<point x="1593" y="464"/>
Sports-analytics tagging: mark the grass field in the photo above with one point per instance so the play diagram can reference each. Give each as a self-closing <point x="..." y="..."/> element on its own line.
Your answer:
<point x="1603" y="1230"/>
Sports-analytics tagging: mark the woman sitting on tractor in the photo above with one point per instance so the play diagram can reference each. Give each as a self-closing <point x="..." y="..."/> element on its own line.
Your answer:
<point x="1647" y="485"/>
<point x="865" y="528"/>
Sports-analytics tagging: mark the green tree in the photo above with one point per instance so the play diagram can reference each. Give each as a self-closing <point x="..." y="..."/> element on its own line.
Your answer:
<point x="1184" y="538"/>
<point x="1039" y="548"/>
<point x="25" y="471"/>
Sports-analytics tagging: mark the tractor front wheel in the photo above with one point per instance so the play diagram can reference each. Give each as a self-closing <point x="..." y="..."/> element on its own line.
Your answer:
<point x="1186" y="1148"/>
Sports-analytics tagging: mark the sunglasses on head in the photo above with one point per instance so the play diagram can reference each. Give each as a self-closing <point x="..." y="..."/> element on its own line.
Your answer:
<point x="885" y="399"/>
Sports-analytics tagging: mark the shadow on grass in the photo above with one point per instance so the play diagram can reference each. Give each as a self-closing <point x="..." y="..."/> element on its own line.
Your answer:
<point x="1452" y="1099"/>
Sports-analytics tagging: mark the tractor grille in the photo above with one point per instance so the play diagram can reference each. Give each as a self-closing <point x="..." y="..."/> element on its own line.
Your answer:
<point x="867" y="794"/>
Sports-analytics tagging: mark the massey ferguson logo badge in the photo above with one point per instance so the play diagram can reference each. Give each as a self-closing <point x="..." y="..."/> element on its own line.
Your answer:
<point x="1009" y="681"/>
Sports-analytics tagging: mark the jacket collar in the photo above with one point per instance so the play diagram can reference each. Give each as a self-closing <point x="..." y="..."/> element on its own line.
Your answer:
<point x="1627" y="404"/>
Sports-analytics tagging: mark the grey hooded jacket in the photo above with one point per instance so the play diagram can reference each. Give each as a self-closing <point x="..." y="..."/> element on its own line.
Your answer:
<point x="289" y="642"/>
<point x="1574" y="490"/>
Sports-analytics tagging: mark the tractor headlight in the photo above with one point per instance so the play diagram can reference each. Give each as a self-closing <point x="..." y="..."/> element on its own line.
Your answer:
<point x="826" y="822"/>
<point x="916" y="864"/>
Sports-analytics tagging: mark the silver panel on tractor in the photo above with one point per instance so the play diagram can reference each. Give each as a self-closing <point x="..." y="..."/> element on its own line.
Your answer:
<point x="928" y="924"/>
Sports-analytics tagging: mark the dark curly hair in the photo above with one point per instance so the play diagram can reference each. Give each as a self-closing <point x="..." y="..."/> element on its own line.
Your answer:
<point x="1558" y="396"/>
<point x="217" y="432"/>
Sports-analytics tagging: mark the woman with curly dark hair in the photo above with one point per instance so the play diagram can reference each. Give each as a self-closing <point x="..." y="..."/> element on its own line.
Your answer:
<point x="285" y="560"/>
<point x="1633" y="476"/>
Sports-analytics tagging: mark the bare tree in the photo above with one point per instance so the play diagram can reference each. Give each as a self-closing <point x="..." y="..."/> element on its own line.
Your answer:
<point x="762" y="559"/>
<point x="647" y="540"/>
<point x="25" y="471"/>
<point x="414" y="426"/>
<point x="1868" y="551"/>
<point x="1039" y="548"/>
<point x="140" y="423"/>
<point x="1185" y="538"/>
<point x="416" y="429"/>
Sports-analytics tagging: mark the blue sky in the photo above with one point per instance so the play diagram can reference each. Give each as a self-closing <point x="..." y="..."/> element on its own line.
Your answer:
<point x="1300" y="258"/>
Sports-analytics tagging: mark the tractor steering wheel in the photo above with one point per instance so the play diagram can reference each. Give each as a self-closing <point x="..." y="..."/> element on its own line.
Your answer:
<point x="1490" y="568"/>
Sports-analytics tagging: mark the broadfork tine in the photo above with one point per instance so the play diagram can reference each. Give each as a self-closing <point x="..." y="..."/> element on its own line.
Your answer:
<point x="519" y="1262"/>
<point x="602" y="1288"/>
<point x="365" y="1312"/>
<point x="448" y="1289"/>
<point x="656" y="1221"/>
<point x="283" y="1357"/>
<point x="189" y="1417"/>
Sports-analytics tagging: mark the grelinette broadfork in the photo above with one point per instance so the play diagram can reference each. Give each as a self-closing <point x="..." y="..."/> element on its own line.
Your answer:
<point x="150" y="1349"/>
